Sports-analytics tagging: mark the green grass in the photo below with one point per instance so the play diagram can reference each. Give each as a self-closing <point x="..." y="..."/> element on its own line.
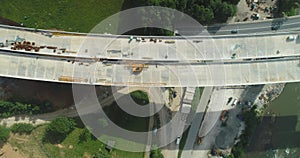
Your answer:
<point x="88" y="147"/>
<point x="197" y="97"/>
<point x="32" y="146"/>
<point x="125" y="154"/>
<point x="183" y="141"/>
<point x="68" y="15"/>
<point x="140" y="97"/>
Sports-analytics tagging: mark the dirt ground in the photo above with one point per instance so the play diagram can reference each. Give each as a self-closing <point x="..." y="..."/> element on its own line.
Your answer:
<point x="244" y="11"/>
<point x="9" y="152"/>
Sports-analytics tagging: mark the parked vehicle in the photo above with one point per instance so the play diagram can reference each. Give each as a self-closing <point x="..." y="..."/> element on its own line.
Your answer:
<point x="234" y="31"/>
<point x="275" y="27"/>
<point x="178" y="140"/>
<point x="234" y="102"/>
<point x="290" y="38"/>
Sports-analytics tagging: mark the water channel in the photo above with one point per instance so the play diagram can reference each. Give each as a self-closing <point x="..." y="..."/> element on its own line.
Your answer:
<point x="278" y="135"/>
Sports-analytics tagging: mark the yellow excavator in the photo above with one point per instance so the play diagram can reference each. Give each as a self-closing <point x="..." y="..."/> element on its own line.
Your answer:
<point x="137" y="68"/>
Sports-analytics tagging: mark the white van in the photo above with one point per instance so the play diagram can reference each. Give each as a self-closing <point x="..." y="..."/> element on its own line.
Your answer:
<point x="178" y="140"/>
<point x="290" y="38"/>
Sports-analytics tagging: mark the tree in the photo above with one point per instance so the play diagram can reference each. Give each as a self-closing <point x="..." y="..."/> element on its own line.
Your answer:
<point x="4" y="134"/>
<point x="288" y="7"/>
<point x="181" y="5"/>
<point x="58" y="129"/>
<point x="202" y="14"/>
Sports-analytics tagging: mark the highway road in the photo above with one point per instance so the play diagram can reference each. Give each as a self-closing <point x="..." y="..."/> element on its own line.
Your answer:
<point x="259" y="26"/>
<point x="285" y="24"/>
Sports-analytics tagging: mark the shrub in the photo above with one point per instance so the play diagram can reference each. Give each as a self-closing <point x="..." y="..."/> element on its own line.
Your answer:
<point x="22" y="128"/>
<point x="156" y="152"/>
<point x="8" y="109"/>
<point x="4" y="134"/>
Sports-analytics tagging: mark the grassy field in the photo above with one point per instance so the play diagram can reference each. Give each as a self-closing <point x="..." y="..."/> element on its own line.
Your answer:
<point x="71" y="147"/>
<point x="68" y="15"/>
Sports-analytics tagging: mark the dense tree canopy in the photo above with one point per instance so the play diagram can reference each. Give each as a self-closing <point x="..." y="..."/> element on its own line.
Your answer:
<point x="288" y="7"/>
<point x="205" y="11"/>
<point x="8" y="109"/>
<point x="58" y="129"/>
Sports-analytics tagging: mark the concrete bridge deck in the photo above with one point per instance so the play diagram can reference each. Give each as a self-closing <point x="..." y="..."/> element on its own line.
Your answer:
<point x="195" y="61"/>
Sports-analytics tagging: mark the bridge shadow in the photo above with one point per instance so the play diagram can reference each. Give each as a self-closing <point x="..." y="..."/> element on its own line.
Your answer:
<point x="8" y="22"/>
<point x="275" y="133"/>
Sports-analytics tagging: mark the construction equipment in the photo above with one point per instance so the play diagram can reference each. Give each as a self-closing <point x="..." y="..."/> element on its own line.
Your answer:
<point x="200" y="140"/>
<point x="224" y="116"/>
<point x="71" y="79"/>
<point x="137" y="68"/>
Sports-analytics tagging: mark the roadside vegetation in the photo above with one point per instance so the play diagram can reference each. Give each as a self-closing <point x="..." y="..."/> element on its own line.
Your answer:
<point x="288" y="7"/>
<point x="140" y="97"/>
<point x="183" y="141"/>
<point x="205" y="12"/>
<point x="197" y="97"/>
<point x="156" y="152"/>
<point x="4" y="134"/>
<point x="8" y="108"/>
<point x="76" y="140"/>
<point x="22" y="128"/>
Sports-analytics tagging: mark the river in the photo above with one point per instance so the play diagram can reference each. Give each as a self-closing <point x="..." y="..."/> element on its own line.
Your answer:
<point x="278" y="135"/>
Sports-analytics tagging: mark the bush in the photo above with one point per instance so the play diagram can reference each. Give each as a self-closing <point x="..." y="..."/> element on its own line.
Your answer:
<point x="8" y="109"/>
<point x="156" y="152"/>
<point x="4" y="134"/>
<point x="251" y="121"/>
<point x="58" y="129"/>
<point x="22" y="128"/>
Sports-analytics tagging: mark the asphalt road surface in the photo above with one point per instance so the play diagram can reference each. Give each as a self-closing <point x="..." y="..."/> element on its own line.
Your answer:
<point x="284" y="24"/>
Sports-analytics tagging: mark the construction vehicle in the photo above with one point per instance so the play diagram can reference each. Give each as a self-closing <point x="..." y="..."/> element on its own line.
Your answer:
<point x="200" y="140"/>
<point x="137" y="68"/>
<point x="224" y="116"/>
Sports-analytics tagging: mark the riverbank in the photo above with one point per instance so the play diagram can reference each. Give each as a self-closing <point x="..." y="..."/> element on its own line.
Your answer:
<point x="278" y="133"/>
